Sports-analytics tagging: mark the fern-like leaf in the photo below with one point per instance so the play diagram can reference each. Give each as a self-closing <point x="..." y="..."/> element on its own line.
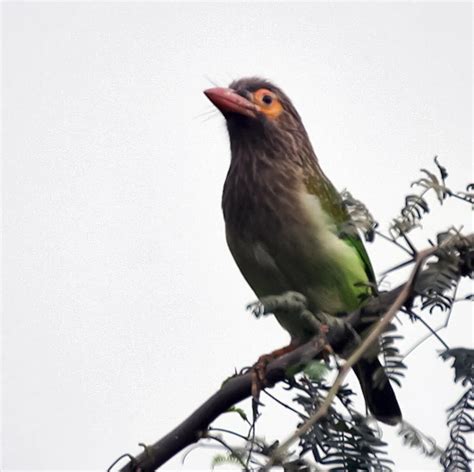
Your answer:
<point x="393" y="365"/>
<point x="416" y="206"/>
<point x="410" y="215"/>
<point x="463" y="363"/>
<point x="458" y="455"/>
<point x="360" y="216"/>
<point x="343" y="442"/>
<point x="414" y="438"/>
<point x="442" y="275"/>
<point x="225" y="459"/>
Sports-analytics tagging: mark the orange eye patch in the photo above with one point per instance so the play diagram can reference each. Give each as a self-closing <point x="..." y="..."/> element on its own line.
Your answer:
<point x="268" y="103"/>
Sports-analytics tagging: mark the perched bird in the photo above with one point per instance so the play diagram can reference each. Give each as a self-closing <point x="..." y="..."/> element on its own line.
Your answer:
<point x="286" y="224"/>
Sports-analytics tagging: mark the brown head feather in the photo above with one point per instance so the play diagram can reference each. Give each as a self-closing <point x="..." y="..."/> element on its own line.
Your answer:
<point x="271" y="160"/>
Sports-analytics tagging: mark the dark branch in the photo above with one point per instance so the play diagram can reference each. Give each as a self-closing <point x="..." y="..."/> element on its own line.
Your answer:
<point x="232" y="391"/>
<point x="238" y="388"/>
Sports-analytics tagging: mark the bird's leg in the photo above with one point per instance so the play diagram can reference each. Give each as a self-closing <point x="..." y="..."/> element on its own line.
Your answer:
<point x="294" y="303"/>
<point x="352" y="338"/>
<point x="288" y="301"/>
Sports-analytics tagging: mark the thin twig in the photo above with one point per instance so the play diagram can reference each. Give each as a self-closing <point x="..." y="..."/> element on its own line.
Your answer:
<point x="230" y="449"/>
<point x="228" y="431"/>
<point x="433" y="332"/>
<point x="252" y="432"/>
<point x="283" y="404"/>
<point x="393" y="241"/>
<point x="409" y="243"/>
<point x="397" y="267"/>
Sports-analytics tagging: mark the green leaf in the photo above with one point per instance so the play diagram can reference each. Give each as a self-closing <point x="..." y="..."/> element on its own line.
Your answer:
<point x="316" y="370"/>
<point x="224" y="459"/>
<point x="292" y="370"/>
<point x="239" y="411"/>
<point x="463" y="363"/>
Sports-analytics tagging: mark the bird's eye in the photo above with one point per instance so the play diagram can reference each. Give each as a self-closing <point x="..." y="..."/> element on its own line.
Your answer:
<point x="268" y="103"/>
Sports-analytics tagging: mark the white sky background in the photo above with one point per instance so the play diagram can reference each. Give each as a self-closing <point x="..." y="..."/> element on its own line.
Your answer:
<point x="123" y="309"/>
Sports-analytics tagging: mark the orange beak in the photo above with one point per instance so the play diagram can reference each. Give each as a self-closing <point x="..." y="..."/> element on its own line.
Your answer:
<point x="229" y="101"/>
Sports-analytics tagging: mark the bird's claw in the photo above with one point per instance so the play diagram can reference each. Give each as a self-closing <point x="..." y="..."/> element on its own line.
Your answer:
<point x="324" y="328"/>
<point x="257" y="309"/>
<point x="327" y="350"/>
<point x="259" y="380"/>
<point x="288" y="301"/>
<point x="260" y="368"/>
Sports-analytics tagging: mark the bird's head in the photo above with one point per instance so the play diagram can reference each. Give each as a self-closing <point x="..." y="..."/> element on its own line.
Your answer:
<point x="259" y="114"/>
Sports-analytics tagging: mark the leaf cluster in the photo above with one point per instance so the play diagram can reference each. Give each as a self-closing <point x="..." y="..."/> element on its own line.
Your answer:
<point x="413" y="437"/>
<point x="344" y="441"/>
<point x="416" y="204"/>
<point x="393" y="365"/>
<point x="458" y="456"/>
<point x="360" y="216"/>
<point x="442" y="275"/>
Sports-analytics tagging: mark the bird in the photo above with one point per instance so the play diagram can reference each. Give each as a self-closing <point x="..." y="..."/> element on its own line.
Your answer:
<point x="287" y="227"/>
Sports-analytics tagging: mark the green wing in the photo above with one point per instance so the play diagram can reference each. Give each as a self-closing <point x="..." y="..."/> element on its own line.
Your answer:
<point x="354" y="241"/>
<point x="332" y="204"/>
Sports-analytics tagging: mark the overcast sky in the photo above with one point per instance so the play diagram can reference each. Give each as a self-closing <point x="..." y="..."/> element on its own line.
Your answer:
<point x="123" y="309"/>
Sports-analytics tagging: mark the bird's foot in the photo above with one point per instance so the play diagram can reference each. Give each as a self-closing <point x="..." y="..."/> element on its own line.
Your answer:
<point x="324" y="328"/>
<point x="327" y="351"/>
<point x="288" y="301"/>
<point x="259" y="370"/>
<point x="259" y="381"/>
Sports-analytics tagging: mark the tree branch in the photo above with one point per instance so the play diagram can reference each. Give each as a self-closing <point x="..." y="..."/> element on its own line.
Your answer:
<point x="232" y="391"/>
<point x="238" y="387"/>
